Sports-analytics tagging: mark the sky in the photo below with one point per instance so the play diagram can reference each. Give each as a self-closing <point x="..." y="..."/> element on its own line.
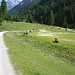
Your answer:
<point x="7" y="0"/>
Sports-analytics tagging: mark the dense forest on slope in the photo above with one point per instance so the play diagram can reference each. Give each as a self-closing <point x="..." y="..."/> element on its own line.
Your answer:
<point x="22" y="5"/>
<point x="51" y="12"/>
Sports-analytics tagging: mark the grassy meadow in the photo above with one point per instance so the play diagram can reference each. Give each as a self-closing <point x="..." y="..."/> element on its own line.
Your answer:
<point x="11" y="26"/>
<point x="39" y="55"/>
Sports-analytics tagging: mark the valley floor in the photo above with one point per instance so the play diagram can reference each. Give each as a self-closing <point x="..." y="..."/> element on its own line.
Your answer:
<point x="36" y="53"/>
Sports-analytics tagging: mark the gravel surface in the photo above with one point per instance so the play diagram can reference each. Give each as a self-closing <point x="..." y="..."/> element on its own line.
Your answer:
<point x="6" y="67"/>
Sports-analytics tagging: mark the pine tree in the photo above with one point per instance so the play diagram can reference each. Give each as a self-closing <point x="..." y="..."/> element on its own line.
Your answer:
<point x="71" y="2"/>
<point x="3" y="9"/>
<point x="1" y="19"/>
<point x="65" y="24"/>
<point x="30" y="18"/>
<point x="51" y="18"/>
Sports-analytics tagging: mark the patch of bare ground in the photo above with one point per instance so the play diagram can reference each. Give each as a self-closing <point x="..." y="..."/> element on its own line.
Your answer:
<point x="67" y="40"/>
<point x="49" y="34"/>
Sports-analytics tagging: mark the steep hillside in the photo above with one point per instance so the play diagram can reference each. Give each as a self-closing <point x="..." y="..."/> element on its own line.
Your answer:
<point x="22" y="5"/>
<point x="51" y="12"/>
<point x="12" y="3"/>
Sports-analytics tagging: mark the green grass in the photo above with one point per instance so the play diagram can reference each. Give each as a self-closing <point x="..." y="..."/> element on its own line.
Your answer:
<point x="39" y="55"/>
<point x="48" y="43"/>
<point x="28" y="56"/>
<point x="51" y="29"/>
<point x="10" y="26"/>
<point x="67" y="36"/>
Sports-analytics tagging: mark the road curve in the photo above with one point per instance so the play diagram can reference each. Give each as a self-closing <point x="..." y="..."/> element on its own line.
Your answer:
<point x="5" y="65"/>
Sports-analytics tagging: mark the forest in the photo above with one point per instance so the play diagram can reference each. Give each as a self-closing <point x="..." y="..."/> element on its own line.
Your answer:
<point x="50" y="12"/>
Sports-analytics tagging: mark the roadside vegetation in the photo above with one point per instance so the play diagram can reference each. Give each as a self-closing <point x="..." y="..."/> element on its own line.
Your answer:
<point x="40" y="55"/>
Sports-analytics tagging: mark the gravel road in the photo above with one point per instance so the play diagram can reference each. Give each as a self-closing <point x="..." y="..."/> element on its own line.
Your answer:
<point x="6" y="67"/>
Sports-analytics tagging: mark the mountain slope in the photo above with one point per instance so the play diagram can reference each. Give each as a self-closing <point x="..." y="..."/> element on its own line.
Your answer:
<point x="51" y="12"/>
<point x="22" y="5"/>
<point x="12" y="3"/>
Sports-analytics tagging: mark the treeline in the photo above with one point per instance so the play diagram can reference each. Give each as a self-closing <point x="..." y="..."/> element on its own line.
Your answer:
<point x="50" y="12"/>
<point x="3" y="11"/>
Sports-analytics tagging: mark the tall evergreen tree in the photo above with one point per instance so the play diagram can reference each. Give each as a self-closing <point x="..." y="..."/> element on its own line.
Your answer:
<point x="1" y="19"/>
<point x="65" y="24"/>
<point x="51" y="18"/>
<point x="71" y="8"/>
<point x="30" y="18"/>
<point x="3" y="9"/>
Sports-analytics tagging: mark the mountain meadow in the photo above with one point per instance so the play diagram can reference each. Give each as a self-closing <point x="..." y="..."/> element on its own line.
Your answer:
<point x="36" y="52"/>
<point x="40" y="36"/>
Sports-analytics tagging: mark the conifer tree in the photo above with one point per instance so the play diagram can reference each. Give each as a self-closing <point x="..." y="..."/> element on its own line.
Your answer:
<point x="1" y="19"/>
<point x="30" y="18"/>
<point x="51" y="18"/>
<point x="65" y="24"/>
<point x="3" y="9"/>
<point x="71" y="8"/>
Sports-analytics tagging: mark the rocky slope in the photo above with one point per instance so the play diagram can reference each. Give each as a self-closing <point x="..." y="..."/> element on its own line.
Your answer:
<point x="12" y="3"/>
